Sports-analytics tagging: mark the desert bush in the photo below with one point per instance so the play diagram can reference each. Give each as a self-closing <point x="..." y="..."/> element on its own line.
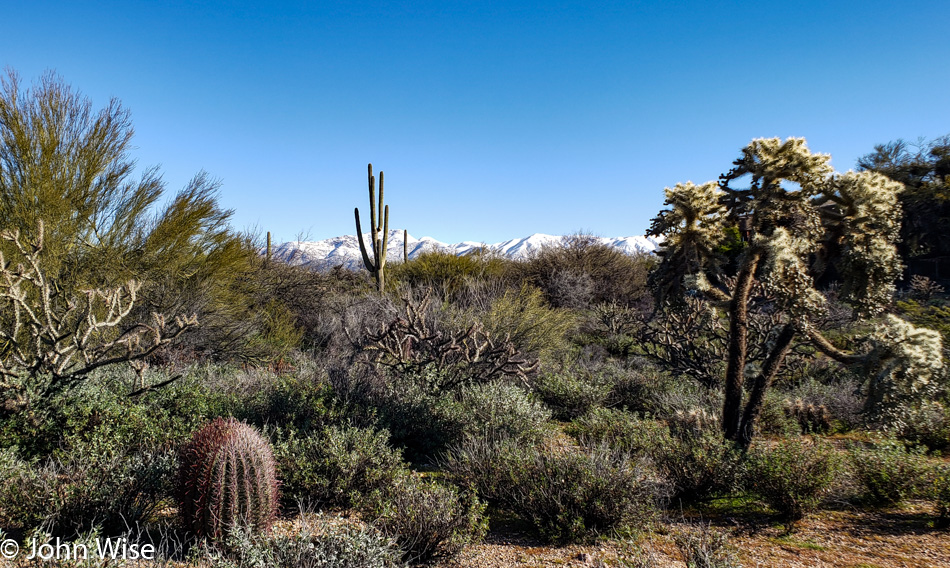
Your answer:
<point x="696" y="461"/>
<point x="792" y="476"/>
<point x="336" y="465"/>
<point x="571" y="394"/>
<point x="888" y="472"/>
<point x="320" y="543"/>
<point x="427" y="519"/>
<point x="568" y="495"/>
<point x="926" y="425"/>
<point x="299" y="399"/>
<point x="533" y="327"/>
<point x="445" y="271"/>
<point x="582" y="271"/>
<point x="941" y="494"/>
<point x="704" y="547"/>
<point x="91" y="486"/>
<point x="497" y="411"/>
<point x="619" y="429"/>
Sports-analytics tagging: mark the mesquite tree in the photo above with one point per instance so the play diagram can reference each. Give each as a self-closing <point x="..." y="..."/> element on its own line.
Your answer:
<point x="801" y="222"/>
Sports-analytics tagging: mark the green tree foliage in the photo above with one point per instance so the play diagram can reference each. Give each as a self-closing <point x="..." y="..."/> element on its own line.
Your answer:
<point x="68" y="185"/>
<point x="800" y="218"/>
<point x="924" y="169"/>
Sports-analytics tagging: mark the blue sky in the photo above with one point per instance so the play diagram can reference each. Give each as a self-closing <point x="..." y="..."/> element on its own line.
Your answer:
<point x="491" y="120"/>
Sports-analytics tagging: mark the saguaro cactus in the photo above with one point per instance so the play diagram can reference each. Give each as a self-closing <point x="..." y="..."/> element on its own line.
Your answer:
<point x="226" y="477"/>
<point x="378" y="222"/>
<point x="405" y="245"/>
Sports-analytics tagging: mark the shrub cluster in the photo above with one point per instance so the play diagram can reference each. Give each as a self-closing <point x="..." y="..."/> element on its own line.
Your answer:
<point x="336" y="465"/>
<point x="568" y="495"/>
<point x="792" y="475"/>
<point x="888" y="472"/>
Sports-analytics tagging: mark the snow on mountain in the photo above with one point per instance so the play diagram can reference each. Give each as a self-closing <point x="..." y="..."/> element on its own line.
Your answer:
<point x="345" y="250"/>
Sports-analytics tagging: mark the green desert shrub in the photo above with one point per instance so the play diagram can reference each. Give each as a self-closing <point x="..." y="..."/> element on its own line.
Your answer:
<point x="888" y="472"/>
<point x="698" y="465"/>
<point x="427" y="519"/>
<point x="927" y="425"/>
<point x="524" y="317"/>
<point x="498" y="411"/>
<point x="446" y="270"/>
<point x="793" y="475"/>
<point x="320" y="543"/>
<point x="90" y="487"/>
<point x="941" y="494"/>
<point x="568" y="495"/>
<point x="571" y="394"/>
<point x="336" y="465"/>
<point x="618" y="429"/>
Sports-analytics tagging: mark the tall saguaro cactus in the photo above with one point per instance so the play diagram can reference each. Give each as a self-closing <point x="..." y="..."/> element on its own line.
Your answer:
<point x="379" y="221"/>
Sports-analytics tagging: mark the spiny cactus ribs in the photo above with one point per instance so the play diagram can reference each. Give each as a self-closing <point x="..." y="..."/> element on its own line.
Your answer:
<point x="226" y="477"/>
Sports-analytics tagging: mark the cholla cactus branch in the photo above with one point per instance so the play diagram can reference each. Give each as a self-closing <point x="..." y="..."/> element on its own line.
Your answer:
<point x="408" y="344"/>
<point x="797" y="218"/>
<point x="58" y="338"/>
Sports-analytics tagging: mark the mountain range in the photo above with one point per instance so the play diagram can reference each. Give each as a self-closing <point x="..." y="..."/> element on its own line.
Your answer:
<point x="345" y="250"/>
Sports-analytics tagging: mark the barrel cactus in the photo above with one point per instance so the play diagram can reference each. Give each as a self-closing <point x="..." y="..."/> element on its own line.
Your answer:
<point x="226" y="477"/>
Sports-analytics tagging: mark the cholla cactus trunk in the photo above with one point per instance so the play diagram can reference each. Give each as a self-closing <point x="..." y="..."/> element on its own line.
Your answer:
<point x="227" y="477"/>
<point x="378" y="223"/>
<point x="267" y="257"/>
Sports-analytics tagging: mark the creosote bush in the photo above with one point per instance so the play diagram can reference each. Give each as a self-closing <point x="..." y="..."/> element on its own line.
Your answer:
<point x="427" y="519"/>
<point x="792" y="476"/>
<point x="337" y="466"/>
<point x="320" y="543"/>
<point x="888" y="471"/>
<point x="568" y="495"/>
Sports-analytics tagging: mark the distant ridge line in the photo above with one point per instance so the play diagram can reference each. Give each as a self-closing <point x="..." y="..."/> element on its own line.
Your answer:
<point x="344" y="251"/>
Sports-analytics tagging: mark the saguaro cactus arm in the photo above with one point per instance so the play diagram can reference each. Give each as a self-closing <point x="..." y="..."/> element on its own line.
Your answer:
<point x="379" y="222"/>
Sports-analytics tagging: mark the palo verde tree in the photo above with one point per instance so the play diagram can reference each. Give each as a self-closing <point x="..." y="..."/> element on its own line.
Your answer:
<point x="800" y="219"/>
<point x="92" y="269"/>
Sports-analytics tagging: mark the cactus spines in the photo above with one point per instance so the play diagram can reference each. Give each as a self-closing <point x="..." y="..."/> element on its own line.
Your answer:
<point x="378" y="223"/>
<point x="226" y="477"/>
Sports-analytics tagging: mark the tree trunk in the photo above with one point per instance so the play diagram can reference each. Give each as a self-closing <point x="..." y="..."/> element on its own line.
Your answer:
<point x="738" y="345"/>
<point x="762" y="382"/>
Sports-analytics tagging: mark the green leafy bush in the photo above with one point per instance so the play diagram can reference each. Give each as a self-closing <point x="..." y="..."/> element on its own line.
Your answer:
<point x="888" y="472"/>
<point x="698" y="465"/>
<point x="498" y="411"/>
<point x="90" y="487"/>
<point x="927" y="425"/>
<point x="792" y="476"/>
<point x="568" y="495"/>
<point x="427" y="519"/>
<point x="570" y="395"/>
<point x="618" y="429"/>
<point x="337" y="465"/>
<point x="941" y="493"/>
<point x="320" y="543"/>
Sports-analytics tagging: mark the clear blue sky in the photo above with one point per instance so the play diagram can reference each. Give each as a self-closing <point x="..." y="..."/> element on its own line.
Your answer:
<point x="492" y="120"/>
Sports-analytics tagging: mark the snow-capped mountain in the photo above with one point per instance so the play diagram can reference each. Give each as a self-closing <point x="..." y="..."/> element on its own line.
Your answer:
<point x="345" y="250"/>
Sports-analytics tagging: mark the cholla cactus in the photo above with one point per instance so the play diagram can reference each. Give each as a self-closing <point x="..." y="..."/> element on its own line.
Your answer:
<point x="797" y="218"/>
<point x="903" y="364"/>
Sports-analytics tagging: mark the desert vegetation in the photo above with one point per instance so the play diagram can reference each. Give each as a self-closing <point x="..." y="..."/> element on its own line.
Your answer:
<point x="163" y="382"/>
